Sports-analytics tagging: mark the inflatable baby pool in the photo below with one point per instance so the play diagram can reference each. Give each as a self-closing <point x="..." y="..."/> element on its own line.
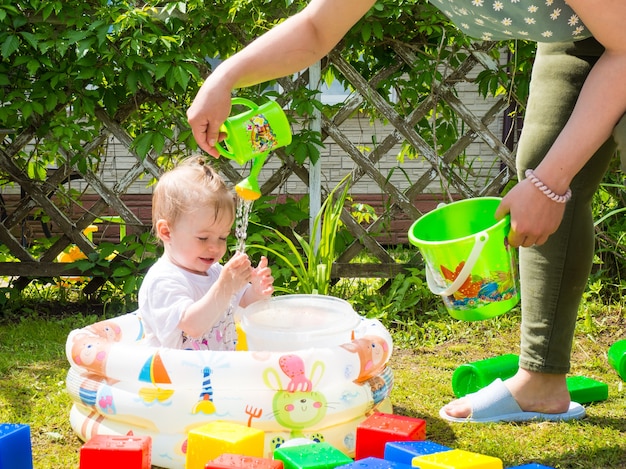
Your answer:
<point x="322" y="393"/>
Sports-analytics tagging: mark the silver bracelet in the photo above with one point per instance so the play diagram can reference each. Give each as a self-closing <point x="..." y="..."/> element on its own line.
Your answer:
<point x="561" y="199"/>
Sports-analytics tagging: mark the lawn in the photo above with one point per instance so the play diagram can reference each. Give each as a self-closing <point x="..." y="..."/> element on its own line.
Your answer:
<point x="33" y="368"/>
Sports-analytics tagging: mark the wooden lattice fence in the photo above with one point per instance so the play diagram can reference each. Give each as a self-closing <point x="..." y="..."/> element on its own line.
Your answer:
<point x="445" y="167"/>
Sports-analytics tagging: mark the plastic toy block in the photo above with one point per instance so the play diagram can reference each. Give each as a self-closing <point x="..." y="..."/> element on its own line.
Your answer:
<point x="213" y="439"/>
<point x="109" y="451"/>
<point x="375" y="463"/>
<point x="472" y="377"/>
<point x="379" y="428"/>
<point x="15" y="448"/>
<point x="617" y="357"/>
<point x="227" y="460"/>
<point x="404" y="451"/>
<point x="457" y="459"/>
<point x="316" y="456"/>
<point x="532" y="466"/>
<point x="583" y="390"/>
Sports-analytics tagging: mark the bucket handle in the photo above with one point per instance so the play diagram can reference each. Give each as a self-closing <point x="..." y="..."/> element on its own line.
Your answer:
<point x="479" y="242"/>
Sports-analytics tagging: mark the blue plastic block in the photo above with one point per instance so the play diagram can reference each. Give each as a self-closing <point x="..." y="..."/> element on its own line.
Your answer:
<point x="16" y="451"/>
<point x="532" y="466"/>
<point x="375" y="463"/>
<point x="404" y="451"/>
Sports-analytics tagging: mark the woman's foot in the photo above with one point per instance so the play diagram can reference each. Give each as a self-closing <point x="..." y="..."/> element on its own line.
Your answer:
<point x="533" y="392"/>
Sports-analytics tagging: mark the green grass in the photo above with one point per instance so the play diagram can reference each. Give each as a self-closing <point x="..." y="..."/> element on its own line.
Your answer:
<point x="423" y="385"/>
<point x="32" y="386"/>
<point x="33" y="368"/>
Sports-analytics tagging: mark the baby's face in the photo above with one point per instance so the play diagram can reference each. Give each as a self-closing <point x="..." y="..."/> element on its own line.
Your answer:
<point x="198" y="240"/>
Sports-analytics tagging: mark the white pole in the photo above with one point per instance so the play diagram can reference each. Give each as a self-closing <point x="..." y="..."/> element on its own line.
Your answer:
<point x="315" y="169"/>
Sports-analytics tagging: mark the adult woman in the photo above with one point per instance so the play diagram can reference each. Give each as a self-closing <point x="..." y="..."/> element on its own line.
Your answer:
<point x="560" y="153"/>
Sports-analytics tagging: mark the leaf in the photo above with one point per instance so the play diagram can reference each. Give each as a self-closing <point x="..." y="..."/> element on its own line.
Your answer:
<point x="122" y="271"/>
<point x="301" y="152"/>
<point x="32" y="66"/>
<point x="32" y="39"/>
<point x="314" y="152"/>
<point x="142" y="144"/>
<point x="130" y="285"/>
<point x="77" y="36"/>
<point x="9" y="46"/>
<point x="106" y="249"/>
<point x="51" y="101"/>
<point x="161" y="69"/>
<point x="27" y="110"/>
<point x="181" y="76"/>
<point x="158" y="142"/>
<point x="378" y="30"/>
<point x="131" y="81"/>
<point x="366" y="32"/>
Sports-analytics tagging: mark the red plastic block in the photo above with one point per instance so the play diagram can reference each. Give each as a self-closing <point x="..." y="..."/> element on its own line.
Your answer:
<point x="227" y="460"/>
<point x="378" y="429"/>
<point x="112" y="451"/>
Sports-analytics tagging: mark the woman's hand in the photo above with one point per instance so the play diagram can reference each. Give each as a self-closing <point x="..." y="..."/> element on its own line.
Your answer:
<point x="207" y="113"/>
<point x="534" y="217"/>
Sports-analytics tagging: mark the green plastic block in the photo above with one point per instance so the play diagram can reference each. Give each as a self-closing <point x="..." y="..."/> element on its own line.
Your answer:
<point x="583" y="390"/>
<point x="314" y="456"/>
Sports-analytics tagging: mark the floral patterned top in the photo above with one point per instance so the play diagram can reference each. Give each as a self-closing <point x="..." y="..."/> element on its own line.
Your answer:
<point x="534" y="20"/>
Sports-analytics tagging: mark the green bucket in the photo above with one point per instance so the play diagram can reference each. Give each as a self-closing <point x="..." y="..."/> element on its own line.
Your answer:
<point x="467" y="257"/>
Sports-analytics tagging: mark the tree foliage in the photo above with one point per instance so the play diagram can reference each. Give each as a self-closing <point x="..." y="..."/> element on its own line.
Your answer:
<point x="67" y="64"/>
<point x="146" y="60"/>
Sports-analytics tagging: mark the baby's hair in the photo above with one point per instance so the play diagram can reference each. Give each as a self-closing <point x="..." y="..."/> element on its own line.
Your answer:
<point x="191" y="184"/>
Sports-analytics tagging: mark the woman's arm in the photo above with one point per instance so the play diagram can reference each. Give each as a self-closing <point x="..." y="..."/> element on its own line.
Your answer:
<point x="602" y="100"/>
<point x="286" y="49"/>
<point x="601" y="103"/>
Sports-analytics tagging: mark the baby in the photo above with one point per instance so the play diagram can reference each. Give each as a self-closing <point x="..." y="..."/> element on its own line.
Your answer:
<point x="187" y="299"/>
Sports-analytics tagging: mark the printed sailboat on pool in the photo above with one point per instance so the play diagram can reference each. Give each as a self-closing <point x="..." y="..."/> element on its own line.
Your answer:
<point x="153" y="371"/>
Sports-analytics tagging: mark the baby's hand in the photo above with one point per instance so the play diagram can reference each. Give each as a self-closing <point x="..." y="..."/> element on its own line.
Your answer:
<point x="237" y="272"/>
<point x="262" y="280"/>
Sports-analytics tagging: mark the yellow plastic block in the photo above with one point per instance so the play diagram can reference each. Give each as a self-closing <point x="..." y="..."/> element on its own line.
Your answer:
<point x="456" y="459"/>
<point x="213" y="439"/>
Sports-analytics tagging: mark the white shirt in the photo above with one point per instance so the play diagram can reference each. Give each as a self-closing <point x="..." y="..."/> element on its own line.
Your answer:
<point x="166" y="292"/>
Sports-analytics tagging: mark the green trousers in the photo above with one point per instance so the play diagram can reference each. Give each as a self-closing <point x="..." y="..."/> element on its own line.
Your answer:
<point x="553" y="276"/>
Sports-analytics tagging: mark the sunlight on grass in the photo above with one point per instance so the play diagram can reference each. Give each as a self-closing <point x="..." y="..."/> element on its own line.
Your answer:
<point x="32" y="387"/>
<point x="429" y="346"/>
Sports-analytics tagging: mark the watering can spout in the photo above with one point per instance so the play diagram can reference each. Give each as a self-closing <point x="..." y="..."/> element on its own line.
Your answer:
<point x="248" y="189"/>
